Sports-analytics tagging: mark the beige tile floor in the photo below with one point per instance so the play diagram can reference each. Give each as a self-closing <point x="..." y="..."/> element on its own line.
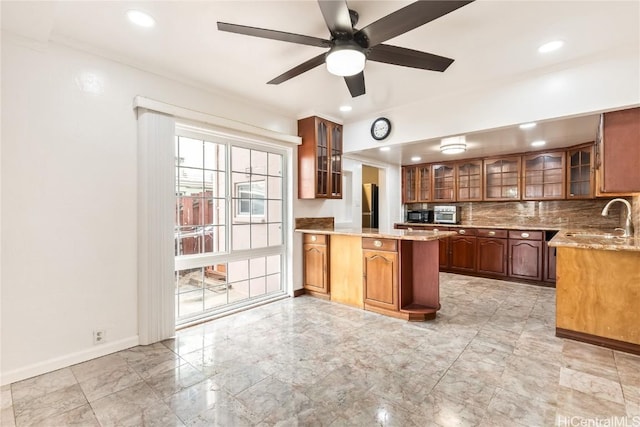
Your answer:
<point x="489" y="359"/>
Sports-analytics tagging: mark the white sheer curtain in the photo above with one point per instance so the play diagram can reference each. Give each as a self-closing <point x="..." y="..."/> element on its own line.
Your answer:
<point x="156" y="206"/>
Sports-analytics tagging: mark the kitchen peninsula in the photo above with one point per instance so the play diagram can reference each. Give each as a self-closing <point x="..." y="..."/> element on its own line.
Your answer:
<point x="390" y="272"/>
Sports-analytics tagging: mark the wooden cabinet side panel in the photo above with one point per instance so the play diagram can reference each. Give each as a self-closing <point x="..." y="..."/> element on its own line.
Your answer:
<point x="307" y="158"/>
<point x="425" y="279"/>
<point x="596" y="299"/>
<point x="345" y="270"/>
<point x="621" y="152"/>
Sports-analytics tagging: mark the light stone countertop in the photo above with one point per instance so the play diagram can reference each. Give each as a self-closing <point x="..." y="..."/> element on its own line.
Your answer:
<point x="491" y="226"/>
<point x="419" y="235"/>
<point x="594" y="239"/>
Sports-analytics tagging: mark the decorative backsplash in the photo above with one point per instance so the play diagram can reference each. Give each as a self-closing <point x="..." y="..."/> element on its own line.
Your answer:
<point x="553" y="213"/>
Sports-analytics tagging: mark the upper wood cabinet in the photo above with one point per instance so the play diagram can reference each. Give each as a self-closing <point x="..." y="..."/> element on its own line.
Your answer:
<point x="580" y="172"/>
<point x="443" y="179"/>
<point x="502" y="178"/>
<point x="409" y="184"/>
<point x="469" y="181"/>
<point x="319" y="159"/>
<point x="543" y="176"/>
<point x="416" y="184"/>
<point x="618" y="153"/>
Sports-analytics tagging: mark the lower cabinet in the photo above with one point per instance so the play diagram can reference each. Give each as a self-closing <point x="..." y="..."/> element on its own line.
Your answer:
<point x="316" y="264"/>
<point x="492" y="252"/>
<point x="549" y="259"/>
<point x="462" y="252"/>
<point x="380" y="273"/>
<point x="525" y="254"/>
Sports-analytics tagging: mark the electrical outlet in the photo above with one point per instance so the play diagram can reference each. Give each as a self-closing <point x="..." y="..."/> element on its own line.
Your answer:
<point x="99" y="336"/>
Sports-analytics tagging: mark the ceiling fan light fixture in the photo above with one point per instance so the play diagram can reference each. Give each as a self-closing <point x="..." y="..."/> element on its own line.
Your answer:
<point x="346" y="59"/>
<point x="453" y="145"/>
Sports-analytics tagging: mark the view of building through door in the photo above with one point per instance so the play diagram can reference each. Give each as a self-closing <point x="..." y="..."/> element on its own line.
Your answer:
<point x="229" y="243"/>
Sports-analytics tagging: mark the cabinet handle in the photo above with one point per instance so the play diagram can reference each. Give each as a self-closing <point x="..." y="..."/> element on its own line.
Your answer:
<point x="314" y="238"/>
<point x="524" y="235"/>
<point x="461" y="231"/>
<point x="435" y="230"/>
<point x="492" y="233"/>
<point x="377" y="243"/>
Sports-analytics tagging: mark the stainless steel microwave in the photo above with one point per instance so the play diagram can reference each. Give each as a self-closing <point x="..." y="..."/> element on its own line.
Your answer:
<point x="446" y="214"/>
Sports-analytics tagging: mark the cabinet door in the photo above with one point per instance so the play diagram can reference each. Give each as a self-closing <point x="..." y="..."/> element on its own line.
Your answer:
<point x="492" y="256"/>
<point x="463" y="253"/>
<point x="322" y="159"/>
<point x="580" y="176"/>
<point x="424" y="184"/>
<point x="469" y="181"/>
<point x="443" y="177"/>
<point x="381" y="279"/>
<point x="409" y="184"/>
<point x="315" y="268"/>
<point x="336" y="160"/>
<point x="525" y="259"/>
<point x="544" y="176"/>
<point x="620" y="152"/>
<point x="502" y="179"/>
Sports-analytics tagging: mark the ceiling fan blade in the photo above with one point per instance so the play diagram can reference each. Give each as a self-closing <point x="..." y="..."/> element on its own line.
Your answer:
<point x="355" y="84"/>
<point x="405" y="19"/>
<point x="296" y="71"/>
<point x="273" y="35"/>
<point x="336" y="15"/>
<point x="408" y="58"/>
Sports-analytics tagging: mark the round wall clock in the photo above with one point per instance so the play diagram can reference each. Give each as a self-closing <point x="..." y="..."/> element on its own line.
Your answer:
<point x="380" y="128"/>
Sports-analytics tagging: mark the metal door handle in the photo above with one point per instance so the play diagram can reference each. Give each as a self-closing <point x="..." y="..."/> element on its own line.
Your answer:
<point x="377" y="243"/>
<point x="314" y="238"/>
<point x="525" y="235"/>
<point x="492" y="233"/>
<point x="462" y="231"/>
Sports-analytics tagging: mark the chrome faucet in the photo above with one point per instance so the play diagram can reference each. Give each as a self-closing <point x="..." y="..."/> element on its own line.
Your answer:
<point x="628" y="225"/>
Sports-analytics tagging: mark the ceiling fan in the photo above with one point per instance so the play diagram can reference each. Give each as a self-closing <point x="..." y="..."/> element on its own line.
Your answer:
<point x="349" y="48"/>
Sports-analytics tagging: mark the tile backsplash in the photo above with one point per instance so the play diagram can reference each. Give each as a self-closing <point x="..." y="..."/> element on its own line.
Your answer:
<point x="552" y="213"/>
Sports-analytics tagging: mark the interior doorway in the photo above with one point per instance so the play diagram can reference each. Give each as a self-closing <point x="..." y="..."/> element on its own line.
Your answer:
<point x="370" y="197"/>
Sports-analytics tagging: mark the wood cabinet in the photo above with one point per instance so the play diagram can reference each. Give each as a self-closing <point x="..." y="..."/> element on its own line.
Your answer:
<point x="618" y="153"/>
<point x="424" y="184"/>
<point x="543" y="176"/>
<point x="492" y="251"/>
<point x="316" y="264"/>
<point x="462" y="250"/>
<point x="409" y="184"/>
<point x="469" y="181"/>
<point x="525" y="254"/>
<point x="580" y="172"/>
<point x="319" y="159"/>
<point x="380" y="273"/>
<point x="443" y="178"/>
<point x="502" y="178"/>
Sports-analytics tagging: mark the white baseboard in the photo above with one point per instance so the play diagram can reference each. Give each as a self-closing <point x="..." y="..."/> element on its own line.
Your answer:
<point x="66" y="360"/>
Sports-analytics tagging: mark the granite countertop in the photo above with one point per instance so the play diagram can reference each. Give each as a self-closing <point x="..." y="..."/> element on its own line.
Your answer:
<point x="421" y="235"/>
<point x="491" y="226"/>
<point x="594" y="239"/>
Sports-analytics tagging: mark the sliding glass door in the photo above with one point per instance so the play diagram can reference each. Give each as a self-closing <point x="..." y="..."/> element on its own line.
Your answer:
<point x="229" y="241"/>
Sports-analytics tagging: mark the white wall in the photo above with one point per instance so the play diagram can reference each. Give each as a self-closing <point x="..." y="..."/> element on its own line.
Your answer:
<point x="69" y="200"/>
<point x="607" y="82"/>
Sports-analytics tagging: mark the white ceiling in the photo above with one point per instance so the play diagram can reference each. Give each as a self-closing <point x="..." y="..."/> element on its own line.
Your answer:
<point x="492" y="42"/>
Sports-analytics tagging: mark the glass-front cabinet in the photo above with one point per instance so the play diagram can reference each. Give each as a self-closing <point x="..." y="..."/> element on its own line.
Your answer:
<point x="502" y="178"/>
<point x="319" y="159"/>
<point x="543" y="176"/>
<point x="409" y="184"/>
<point x="469" y="181"/>
<point x="424" y="183"/>
<point x="443" y="177"/>
<point x="580" y="173"/>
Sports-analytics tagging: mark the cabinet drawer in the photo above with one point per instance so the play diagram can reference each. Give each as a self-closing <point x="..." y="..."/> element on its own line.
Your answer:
<point x="525" y="235"/>
<point x="318" y="239"/>
<point x="465" y="231"/>
<point x="380" y="244"/>
<point x="487" y="232"/>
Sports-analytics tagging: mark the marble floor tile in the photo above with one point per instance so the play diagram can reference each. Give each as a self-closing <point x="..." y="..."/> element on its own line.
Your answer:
<point x="490" y="358"/>
<point x="594" y="385"/>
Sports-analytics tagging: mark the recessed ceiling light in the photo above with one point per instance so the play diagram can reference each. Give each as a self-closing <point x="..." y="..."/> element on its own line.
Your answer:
<point x="551" y="46"/>
<point x="345" y="108"/>
<point x="539" y="143"/>
<point x="528" y="125"/>
<point x="416" y="158"/>
<point x="385" y="148"/>
<point x="140" y="18"/>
